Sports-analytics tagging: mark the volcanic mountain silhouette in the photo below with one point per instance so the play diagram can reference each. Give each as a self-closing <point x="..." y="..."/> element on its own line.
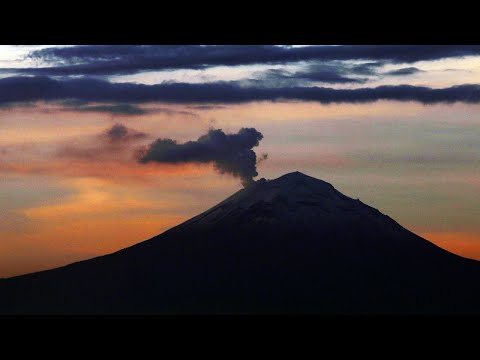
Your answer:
<point x="290" y="245"/>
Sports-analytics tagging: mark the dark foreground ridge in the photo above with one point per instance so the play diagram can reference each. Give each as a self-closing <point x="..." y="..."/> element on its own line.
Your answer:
<point x="290" y="245"/>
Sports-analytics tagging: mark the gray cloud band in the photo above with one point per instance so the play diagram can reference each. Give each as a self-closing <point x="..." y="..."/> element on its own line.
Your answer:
<point x="28" y="89"/>
<point x="128" y="59"/>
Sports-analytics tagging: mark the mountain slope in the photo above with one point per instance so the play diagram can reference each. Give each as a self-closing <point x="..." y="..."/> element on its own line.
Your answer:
<point x="290" y="245"/>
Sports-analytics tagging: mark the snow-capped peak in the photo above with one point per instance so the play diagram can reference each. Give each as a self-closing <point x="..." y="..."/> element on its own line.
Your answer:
<point x="293" y="195"/>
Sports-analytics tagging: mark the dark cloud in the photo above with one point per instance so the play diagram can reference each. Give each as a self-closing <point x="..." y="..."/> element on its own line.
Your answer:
<point x="404" y="71"/>
<point x="333" y="73"/>
<point x="323" y="73"/>
<point x="369" y="68"/>
<point x="16" y="105"/>
<point x="327" y="76"/>
<point x="121" y="109"/>
<point x="115" y="109"/>
<point x="230" y="153"/>
<point x="16" y="89"/>
<point x="206" y="107"/>
<point x="128" y="59"/>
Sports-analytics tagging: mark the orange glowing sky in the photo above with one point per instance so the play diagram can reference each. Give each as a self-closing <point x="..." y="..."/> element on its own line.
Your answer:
<point x="417" y="163"/>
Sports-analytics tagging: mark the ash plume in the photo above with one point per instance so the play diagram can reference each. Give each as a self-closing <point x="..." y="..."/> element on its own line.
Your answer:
<point x="230" y="153"/>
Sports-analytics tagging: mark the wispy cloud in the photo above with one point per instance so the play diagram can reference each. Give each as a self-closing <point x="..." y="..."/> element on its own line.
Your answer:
<point x="113" y="143"/>
<point x="404" y="71"/>
<point x="120" y="109"/>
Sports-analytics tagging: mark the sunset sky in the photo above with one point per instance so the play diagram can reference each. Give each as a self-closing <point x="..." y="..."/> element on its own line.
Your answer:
<point x="82" y="173"/>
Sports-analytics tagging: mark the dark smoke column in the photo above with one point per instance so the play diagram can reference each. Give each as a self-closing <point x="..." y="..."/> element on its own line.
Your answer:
<point x="230" y="153"/>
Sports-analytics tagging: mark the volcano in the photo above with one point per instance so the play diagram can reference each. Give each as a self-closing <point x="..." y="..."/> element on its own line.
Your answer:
<point x="293" y="245"/>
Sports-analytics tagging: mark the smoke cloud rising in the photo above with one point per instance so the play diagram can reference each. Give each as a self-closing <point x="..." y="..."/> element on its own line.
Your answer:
<point x="230" y="153"/>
